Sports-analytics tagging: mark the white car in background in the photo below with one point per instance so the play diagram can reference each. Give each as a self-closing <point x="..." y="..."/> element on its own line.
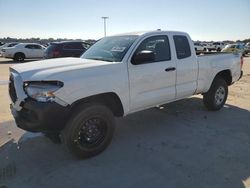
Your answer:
<point x="24" y="51"/>
<point x="218" y="46"/>
<point x="199" y="47"/>
<point x="247" y="48"/>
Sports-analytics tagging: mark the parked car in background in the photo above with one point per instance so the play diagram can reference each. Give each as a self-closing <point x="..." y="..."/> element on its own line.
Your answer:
<point x="247" y="48"/>
<point x="11" y="44"/>
<point x="199" y="47"/>
<point x="238" y="48"/>
<point x="23" y="51"/>
<point x="217" y="46"/>
<point x="66" y="49"/>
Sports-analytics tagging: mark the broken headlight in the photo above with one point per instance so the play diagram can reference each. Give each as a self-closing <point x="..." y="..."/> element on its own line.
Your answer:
<point x="42" y="91"/>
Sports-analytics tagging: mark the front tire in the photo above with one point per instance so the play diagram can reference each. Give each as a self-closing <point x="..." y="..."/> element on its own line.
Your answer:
<point x="216" y="96"/>
<point x="89" y="131"/>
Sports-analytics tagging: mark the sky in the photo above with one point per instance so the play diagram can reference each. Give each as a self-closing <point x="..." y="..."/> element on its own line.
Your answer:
<point x="204" y="20"/>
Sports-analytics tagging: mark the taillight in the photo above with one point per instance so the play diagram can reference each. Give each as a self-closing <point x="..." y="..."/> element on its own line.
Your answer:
<point x="241" y="61"/>
<point x="56" y="53"/>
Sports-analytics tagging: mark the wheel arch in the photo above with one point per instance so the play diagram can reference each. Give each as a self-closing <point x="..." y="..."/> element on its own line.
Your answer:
<point x="109" y="99"/>
<point x="226" y="75"/>
<point x="16" y="53"/>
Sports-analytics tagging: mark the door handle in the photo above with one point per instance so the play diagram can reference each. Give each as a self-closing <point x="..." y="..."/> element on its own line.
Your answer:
<point x="170" y="69"/>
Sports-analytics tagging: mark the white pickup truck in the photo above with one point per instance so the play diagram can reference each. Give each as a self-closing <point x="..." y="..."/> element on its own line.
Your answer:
<point x="78" y="98"/>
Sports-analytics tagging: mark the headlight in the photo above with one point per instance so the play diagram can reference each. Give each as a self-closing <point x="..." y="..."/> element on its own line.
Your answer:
<point x="42" y="91"/>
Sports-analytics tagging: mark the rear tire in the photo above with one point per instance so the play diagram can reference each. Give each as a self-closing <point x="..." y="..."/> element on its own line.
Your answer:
<point x="19" y="57"/>
<point x="216" y="96"/>
<point x="89" y="131"/>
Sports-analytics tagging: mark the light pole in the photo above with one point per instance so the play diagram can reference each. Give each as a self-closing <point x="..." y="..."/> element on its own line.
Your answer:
<point x="104" y="22"/>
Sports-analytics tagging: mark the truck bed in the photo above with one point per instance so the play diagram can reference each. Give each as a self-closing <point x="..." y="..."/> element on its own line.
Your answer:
<point x="211" y="53"/>
<point x="211" y="63"/>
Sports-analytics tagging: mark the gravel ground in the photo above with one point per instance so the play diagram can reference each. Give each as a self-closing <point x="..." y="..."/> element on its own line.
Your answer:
<point x="179" y="145"/>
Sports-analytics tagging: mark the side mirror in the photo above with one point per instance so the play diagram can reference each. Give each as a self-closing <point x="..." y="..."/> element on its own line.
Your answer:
<point x="144" y="56"/>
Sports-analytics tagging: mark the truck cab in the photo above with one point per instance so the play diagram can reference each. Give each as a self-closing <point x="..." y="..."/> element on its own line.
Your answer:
<point x="154" y="69"/>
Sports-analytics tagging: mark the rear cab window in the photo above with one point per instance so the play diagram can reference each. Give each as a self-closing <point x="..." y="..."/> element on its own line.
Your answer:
<point x="182" y="46"/>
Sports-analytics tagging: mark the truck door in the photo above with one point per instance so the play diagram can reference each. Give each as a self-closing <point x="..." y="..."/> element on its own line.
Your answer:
<point x="152" y="73"/>
<point x="186" y="66"/>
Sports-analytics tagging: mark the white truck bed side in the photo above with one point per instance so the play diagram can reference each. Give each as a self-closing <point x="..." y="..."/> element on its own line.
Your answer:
<point x="211" y="65"/>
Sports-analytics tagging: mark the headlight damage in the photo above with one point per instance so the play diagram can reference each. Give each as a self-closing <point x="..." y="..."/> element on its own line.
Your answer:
<point x="42" y="91"/>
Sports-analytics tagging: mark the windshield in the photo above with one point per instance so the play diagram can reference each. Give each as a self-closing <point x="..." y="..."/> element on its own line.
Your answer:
<point x="12" y="44"/>
<point x="111" y="49"/>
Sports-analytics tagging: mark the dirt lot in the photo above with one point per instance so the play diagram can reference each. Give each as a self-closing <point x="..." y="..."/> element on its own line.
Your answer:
<point x="181" y="145"/>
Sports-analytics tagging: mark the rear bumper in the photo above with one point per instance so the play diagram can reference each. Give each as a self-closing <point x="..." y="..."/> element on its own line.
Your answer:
<point x="41" y="117"/>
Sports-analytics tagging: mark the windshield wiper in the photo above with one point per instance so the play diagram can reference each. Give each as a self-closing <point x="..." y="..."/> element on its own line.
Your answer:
<point x="100" y="59"/>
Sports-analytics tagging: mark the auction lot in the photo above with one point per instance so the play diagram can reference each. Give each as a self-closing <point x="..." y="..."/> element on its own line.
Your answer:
<point x="178" y="145"/>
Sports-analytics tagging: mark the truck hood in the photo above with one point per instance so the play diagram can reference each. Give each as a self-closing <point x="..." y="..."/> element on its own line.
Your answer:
<point x="39" y="70"/>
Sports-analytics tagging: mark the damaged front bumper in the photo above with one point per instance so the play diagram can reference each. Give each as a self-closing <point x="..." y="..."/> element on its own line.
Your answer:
<point x="32" y="115"/>
<point x="41" y="117"/>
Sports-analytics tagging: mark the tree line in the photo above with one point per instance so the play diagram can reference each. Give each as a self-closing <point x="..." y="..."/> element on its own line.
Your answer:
<point x="41" y="41"/>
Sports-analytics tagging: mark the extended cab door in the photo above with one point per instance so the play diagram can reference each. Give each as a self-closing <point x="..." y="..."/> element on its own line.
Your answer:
<point x="152" y="80"/>
<point x="186" y="66"/>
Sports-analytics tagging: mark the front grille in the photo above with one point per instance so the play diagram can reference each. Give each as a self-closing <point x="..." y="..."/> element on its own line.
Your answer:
<point x="12" y="90"/>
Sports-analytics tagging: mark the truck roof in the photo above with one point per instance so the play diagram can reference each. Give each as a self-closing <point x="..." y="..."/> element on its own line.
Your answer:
<point x="139" y="33"/>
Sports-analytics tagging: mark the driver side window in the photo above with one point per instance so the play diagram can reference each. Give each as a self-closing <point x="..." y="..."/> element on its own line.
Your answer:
<point x="157" y="45"/>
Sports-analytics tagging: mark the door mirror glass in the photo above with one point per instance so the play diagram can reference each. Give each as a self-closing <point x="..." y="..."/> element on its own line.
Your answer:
<point x="144" y="56"/>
